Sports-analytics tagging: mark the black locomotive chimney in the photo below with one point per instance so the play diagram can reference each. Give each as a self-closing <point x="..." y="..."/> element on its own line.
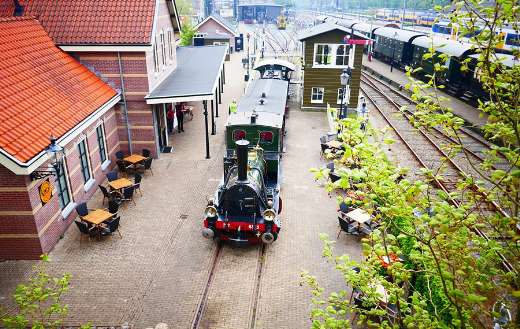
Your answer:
<point x="18" y="8"/>
<point x="242" y="159"/>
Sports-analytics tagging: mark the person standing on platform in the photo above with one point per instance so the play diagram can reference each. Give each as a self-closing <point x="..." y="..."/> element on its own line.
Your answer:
<point x="180" y="117"/>
<point x="233" y="107"/>
<point x="170" y="115"/>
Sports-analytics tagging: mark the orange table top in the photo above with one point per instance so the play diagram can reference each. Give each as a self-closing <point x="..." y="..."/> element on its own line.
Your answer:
<point x="134" y="158"/>
<point x="97" y="216"/>
<point x="120" y="183"/>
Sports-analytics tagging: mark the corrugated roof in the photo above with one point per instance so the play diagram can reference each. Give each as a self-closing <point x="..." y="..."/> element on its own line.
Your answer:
<point x="43" y="90"/>
<point x="445" y="46"/>
<point x="197" y="72"/>
<point x="401" y="35"/>
<point x="82" y="22"/>
<point x="275" y="96"/>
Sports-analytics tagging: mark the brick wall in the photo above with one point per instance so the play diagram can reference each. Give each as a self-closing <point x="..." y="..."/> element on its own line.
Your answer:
<point x="28" y="228"/>
<point x="135" y="78"/>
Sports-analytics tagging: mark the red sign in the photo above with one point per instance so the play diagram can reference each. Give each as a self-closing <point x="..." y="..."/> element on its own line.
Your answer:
<point x="359" y="42"/>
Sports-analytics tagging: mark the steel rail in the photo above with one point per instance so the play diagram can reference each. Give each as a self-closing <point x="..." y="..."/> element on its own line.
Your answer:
<point x="408" y="114"/>
<point x="437" y="182"/>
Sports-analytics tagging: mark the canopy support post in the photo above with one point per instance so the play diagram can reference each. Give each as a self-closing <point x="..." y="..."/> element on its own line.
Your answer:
<point x="216" y="114"/>
<point x="219" y="94"/>
<point x="212" y="120"/>
<point x="205" y="103"/>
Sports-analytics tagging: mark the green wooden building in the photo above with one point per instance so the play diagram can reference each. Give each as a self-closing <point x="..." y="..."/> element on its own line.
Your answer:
<point x="328" y="49"/>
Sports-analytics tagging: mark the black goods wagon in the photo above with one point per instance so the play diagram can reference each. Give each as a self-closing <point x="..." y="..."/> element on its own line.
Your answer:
<point x="394" y="45"/>
<point x="456" y="51"/>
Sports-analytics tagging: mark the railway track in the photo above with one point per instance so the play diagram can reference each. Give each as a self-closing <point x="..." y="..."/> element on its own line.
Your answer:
<point x="474" y="146"/>
<point x="199" y="320"/>
<point x="424" y="148"/>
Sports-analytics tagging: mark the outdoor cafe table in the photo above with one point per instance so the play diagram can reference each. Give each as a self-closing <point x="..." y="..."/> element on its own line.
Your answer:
<point x="120" y="183"/>
<point x="134" y="159"/>
<point x="97" y="216"/>
<point x="359" y="216"/>
<point x="334" y="144"/>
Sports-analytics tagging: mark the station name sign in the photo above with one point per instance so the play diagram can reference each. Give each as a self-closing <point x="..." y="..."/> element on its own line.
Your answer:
<point x="350" y="41"/>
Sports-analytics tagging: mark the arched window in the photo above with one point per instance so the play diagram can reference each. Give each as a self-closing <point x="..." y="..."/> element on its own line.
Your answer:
<point x="239" y="134"/>
<point x="266" y="137"/>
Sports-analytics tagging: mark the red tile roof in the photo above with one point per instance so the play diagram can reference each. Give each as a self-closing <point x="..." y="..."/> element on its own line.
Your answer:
<point x="82" y="22"/>
<point x="43" y="90"/>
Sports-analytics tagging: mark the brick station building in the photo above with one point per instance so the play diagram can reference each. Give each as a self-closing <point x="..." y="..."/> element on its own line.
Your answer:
<point x="127" y="49"/>
<point x="44" y="91"/>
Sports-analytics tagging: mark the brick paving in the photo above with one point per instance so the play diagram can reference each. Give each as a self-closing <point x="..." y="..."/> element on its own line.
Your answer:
<point x="157" y="272"/>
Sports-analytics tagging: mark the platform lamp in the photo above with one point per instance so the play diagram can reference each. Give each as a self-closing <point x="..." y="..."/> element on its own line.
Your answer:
<point x="344" y="79"/>
<point x="248" y="59"/>
<point x="55" y="154"/>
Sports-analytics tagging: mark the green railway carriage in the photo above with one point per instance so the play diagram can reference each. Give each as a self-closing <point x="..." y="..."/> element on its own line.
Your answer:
<point x="247" y="203"/>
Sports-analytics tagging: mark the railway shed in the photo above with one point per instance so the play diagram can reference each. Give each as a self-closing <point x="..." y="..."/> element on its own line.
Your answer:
<point x="328" y="49"/>
<point x="216" y="30"/>
<point x="259" y="12"/>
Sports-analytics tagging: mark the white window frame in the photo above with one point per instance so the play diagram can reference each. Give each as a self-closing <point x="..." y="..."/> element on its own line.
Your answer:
<point x="105" y="163"/>
<point x="69" y="189"/>
<point x="315" y="91"/>
<point x="163" y="49"/>
<point x="155" y="56"/>
<point x="333" y="49"/>
<point x="90" y="182"/>
<point x="170" y="45"/>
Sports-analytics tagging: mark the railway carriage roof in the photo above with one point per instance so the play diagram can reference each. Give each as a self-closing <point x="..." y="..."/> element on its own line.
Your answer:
<point x="445" y="46"/>
<point x="275" y="96"/>
<point x="401" y="35"/>
<point x="274" y="120"/>
<point x="506" y="59"/>
<point x="365" y="27"/>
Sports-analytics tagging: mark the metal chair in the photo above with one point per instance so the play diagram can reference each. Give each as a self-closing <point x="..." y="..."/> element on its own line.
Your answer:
<point x="344" y="226"/>
<point x="120" y="155"/>
<point x="111" y="227"/>
<point x="147" y="165"/>
<point x="146" y="153"/>
<point x="123" y="168"/>
<point x="333" y="176"/>
<point x="113" y="207"/>
<point x="112" y="175"/>
<point x="108" y="195"/>
<point x="82" y="209"/>
<point x="137" y="182"/>
<point x="84" y="229"/>
<point x="128" y="194"/>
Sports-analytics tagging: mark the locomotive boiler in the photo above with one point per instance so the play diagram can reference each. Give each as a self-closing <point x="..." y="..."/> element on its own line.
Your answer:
<point x="245" y="209"/>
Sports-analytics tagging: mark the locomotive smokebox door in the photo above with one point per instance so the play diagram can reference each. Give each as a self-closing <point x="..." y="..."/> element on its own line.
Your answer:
<point x="242" y="159"/>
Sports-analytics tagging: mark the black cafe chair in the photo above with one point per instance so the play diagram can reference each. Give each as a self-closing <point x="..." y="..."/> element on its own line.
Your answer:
<point x="120" y="155"/>
<point x="146" y="153"/>
<point x="137" y="182"/>
<point x="82" y="209"/>
<point x="112" y="175"/>
<point x="111" y="227"/>
<point x="128" y="194"/>
<point x="87" y="230"/>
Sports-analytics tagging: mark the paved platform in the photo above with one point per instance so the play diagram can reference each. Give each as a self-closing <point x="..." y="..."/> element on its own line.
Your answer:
<point x="157" y="272"/>
<point x="460" y="108"/>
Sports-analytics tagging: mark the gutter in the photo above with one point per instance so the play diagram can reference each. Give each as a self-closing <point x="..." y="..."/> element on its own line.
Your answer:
<point x="124" y="101"/>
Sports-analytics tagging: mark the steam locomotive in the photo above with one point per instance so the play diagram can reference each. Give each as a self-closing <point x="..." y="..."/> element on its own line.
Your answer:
<point x="247" y="204"/>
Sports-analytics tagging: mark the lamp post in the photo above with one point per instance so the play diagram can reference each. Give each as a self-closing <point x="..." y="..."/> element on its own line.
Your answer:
<point x="344" y="79"/>
<point x="393" y="52"/>
<point x="55" y="153"/>
<point x="248" y="59"/>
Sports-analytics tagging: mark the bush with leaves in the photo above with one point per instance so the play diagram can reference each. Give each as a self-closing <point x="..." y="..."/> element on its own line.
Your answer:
<point x="39" y="301"/>
<point x="451" y="275"/>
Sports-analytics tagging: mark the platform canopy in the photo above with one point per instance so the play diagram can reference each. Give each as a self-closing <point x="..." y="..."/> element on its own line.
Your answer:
<point x="195" y="78"/>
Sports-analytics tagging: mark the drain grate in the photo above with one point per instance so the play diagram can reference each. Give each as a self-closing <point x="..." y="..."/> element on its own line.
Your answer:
<point x="183" y="216"/>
